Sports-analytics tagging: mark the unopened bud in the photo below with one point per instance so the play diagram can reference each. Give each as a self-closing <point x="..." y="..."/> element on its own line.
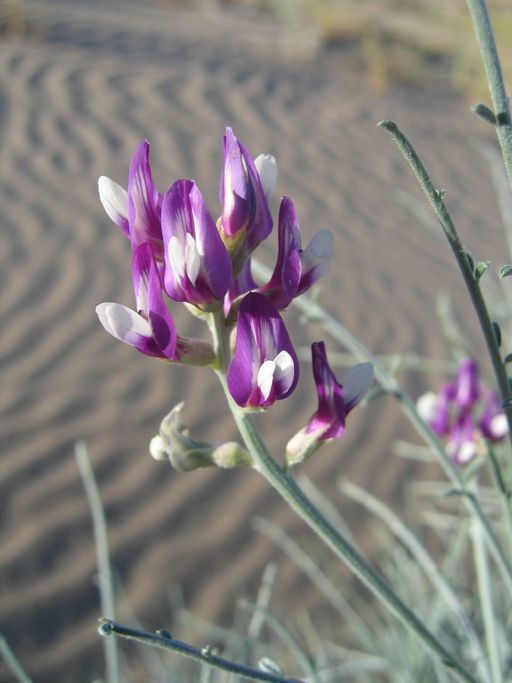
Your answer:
<point x="185" y="453"/>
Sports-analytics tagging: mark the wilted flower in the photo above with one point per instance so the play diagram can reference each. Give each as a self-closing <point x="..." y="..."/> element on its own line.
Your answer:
<point x="197" y="264"/>
<point x="335" y="401"/>
<point x="463" y="414"/>
<point x="264" y="367"/>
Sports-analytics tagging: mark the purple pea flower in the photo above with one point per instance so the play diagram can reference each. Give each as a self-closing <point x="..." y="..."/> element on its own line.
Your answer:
<point x="335" y="401"/>
<point x="462" y="414"/>
<point x="462" y="445"/>
<point x="264" y="367"/>
<point x="197" y="264"/>
<point x="136" y="211"/>
<point x="245" y="219"/>
<point x="296" y="269"/>
<point x="150" y="328"/>
<point x="468" y="384"/>
<point x="493" y="421"/>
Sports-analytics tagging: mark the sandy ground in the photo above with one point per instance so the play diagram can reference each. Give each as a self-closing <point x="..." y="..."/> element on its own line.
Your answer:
<point x="75" y="99"/>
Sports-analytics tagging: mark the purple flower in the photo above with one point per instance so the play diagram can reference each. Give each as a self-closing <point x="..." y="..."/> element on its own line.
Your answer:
<point x="468" y="384"/>
<point x="245" y="219"/>
<point x="493" y="421"/>
<point x="463" y="415"/>
<point x="136" y="211"/>
<point x="462" y="445"/>
<point x="150" y="328"/>
<point x="197" y="264"/>
<point x="335" y="401"/>
<point x="243" y="283"/>
<point x="296" y="269"/>
<point x="264" y="367"/>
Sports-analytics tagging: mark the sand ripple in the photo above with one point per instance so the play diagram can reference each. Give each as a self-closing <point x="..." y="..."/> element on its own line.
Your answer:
<point x="74" y="104"/>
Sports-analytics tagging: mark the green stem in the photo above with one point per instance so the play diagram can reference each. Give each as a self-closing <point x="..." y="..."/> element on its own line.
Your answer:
<point x="317" y="314"/>
<point x="288" y="489"/>
<point x="166" y="642"/>
<point x="484" y="33"/>
<point x="485" y="593"/>
<point x="436" y="200"/>
<point x="286" y="486"/>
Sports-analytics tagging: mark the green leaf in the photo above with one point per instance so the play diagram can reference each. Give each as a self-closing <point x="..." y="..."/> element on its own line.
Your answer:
<point x="497" y="332"/>
<point x="480" y="268"/>
<point x="505" y="271"/>
<point x="484" y="112"/>
<point x="508" y="358"/>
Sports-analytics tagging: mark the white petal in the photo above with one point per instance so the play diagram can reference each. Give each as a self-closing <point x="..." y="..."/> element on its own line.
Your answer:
<point x="356" y="383"/>
<point x="318" y="250"/>
<point x="426" y="406"/>
<point x="267" y="170"/>
<point x="176" y="255"/>
<point x="114" y="199"/>
<point x="499" y="426"/>
<point x="123" y="323"/>
<point x="285" y="370"/>
<point x="466" y="452"/>
<point x="265" y="379"/>
<point x="158" y="448"/>
<point x="192" y="259"/>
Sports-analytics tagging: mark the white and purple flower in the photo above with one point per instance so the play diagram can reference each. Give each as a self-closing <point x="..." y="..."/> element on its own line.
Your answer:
<point x="296" y="269"/>
<point x="463" y="414"/>
<point x="264" y="367"/>
<point x="335" y="401"/>
<point x="197" y="264"/>
<point x="150" y="327"/>
<point x="245" y="220"/>
<point x="136" y="211"/>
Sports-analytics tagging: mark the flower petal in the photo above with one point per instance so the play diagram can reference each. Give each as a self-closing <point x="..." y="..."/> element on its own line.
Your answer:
<point x="264" y="367"/>
<point x="144" y="202"/>
<point x="115" y="202"/>
<point x="267" y="170"/>
<point x="356" y="383"/>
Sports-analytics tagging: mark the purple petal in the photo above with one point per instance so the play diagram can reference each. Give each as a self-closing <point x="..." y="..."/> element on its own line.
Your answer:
<point x="149" y="300"/>
<point x="356" y="384"/>
<point x="243" y="200"/>
<point x="468" y="384"/>
<point x="283" y="284"/>
<point x="144" y="202"/>
<point x="128" y="326"/>
<point x="242" y="284"/>
<point x="264" y="367"/>
<point x="197" y="264"/>
<point x="462" y="446"/>
<point x="331" y="413"/>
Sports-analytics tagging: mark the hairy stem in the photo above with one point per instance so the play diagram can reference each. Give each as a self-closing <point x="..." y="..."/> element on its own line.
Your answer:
<point x="501" y="103"/>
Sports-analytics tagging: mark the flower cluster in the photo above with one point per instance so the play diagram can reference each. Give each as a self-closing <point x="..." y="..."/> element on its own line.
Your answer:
<point x="464" y="413"/>
<point x="181" y="253"/>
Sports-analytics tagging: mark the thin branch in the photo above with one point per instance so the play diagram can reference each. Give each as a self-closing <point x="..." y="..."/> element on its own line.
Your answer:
<point x="165" y="641"/>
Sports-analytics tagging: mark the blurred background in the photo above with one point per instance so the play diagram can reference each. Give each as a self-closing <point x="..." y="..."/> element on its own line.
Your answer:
<point x="81" y="84"/>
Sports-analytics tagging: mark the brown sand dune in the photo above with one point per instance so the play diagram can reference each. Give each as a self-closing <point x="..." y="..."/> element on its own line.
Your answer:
<point x="75" y="100"/>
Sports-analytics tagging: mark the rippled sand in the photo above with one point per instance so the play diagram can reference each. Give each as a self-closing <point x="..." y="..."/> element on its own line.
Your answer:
<point x="75" y="99"/>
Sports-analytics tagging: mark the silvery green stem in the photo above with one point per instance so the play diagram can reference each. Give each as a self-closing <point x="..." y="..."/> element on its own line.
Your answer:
<point x="102" y="555"/>
<point x="501" y="103"/>
<point x="436" y="200"/>
<point x="12" y="663"/>
<point x="206" y="655"/>
<point x="288" y="489"/>
<point x="316" y="313"/>
<point x="485" y="594"/>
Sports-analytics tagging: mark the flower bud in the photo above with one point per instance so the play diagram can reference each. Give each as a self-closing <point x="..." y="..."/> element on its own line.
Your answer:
<point x="185" y="453"/>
